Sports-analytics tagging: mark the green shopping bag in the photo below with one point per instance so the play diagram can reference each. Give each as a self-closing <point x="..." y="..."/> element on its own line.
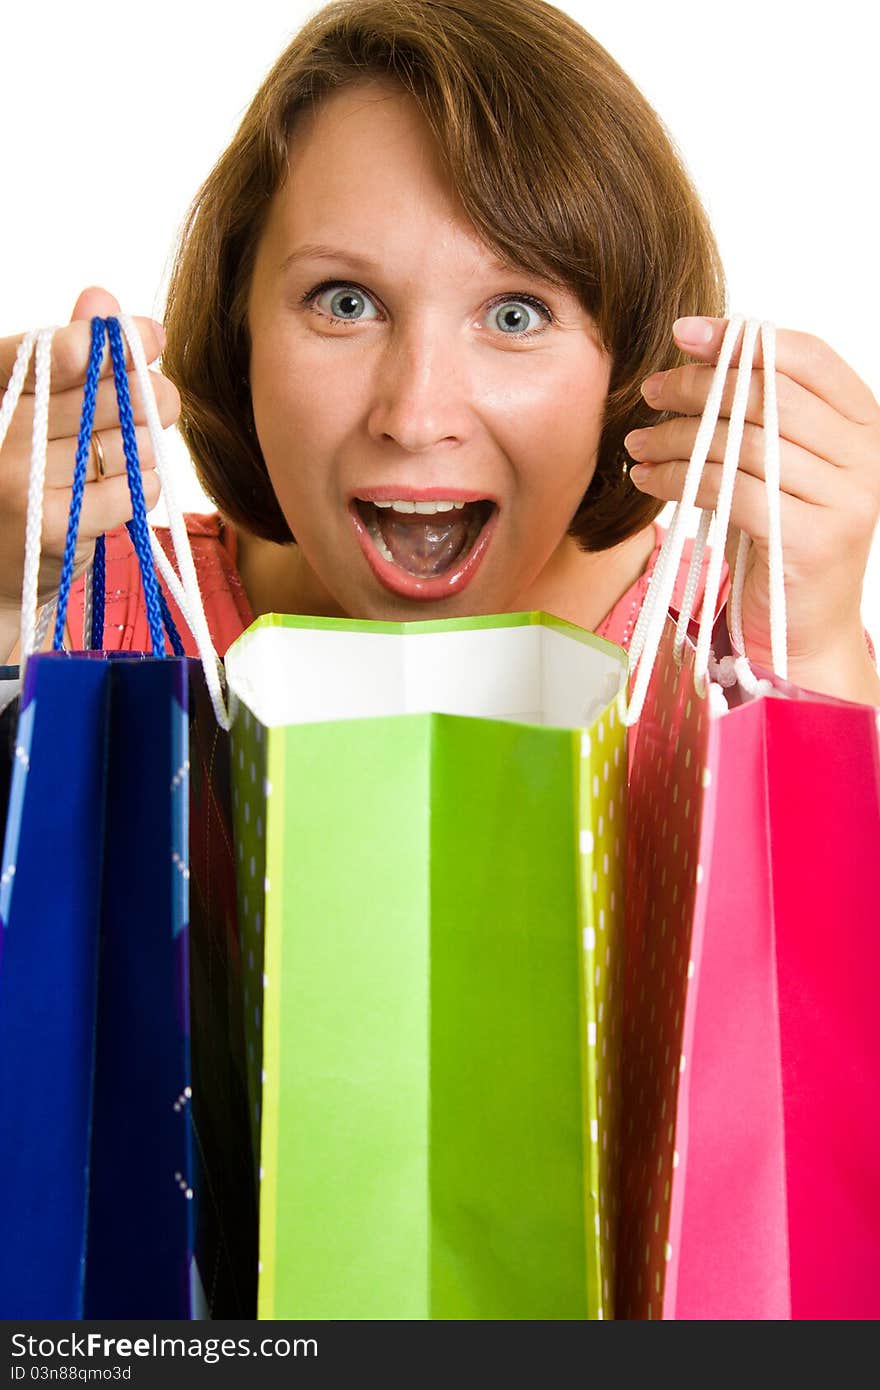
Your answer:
<point x="429" y="832"/>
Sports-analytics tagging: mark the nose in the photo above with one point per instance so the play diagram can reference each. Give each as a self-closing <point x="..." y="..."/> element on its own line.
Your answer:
<point x="420" y="396"/>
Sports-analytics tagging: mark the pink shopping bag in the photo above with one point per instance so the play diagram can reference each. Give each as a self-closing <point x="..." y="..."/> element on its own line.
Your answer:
<point x="751" y="1069"/>
<point x="750" y="1145"/>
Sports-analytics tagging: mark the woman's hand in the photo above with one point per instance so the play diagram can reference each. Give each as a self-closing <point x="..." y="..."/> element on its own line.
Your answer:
<point x="829" y="428"/>
<point x="106" y="502"/>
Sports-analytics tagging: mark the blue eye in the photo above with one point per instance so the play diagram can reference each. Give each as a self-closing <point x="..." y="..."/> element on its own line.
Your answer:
<point x="349" y="304"/>
<point x="510" y="318"/>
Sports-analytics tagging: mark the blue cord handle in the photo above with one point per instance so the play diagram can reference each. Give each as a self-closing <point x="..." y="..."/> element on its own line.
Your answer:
<point x="139" y="532"/>
<point x="98" y="580"/>
<point x="98" y="584"/>
<point x="84" y="439"/>
<point x="158" y="614"/>
<point x="168" y="621"/>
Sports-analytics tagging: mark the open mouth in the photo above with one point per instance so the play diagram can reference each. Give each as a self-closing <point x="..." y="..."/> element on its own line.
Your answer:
<point x="424" y="538"/>
<point x="424" y="548"/>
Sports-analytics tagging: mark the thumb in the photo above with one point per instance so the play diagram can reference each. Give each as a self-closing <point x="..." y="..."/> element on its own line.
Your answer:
<point x="95" y="303"/>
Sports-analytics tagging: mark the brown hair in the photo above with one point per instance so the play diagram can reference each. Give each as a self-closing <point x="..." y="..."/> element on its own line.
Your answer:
<point x="561" y="165"/>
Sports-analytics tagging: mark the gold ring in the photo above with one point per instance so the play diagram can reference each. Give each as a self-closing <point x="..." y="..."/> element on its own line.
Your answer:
<point x="98" y="454"/>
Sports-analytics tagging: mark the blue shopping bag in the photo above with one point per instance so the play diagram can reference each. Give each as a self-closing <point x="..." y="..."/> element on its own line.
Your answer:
<point x="95" y="1135"/>
<point x="119" y="997"/>
<point x="96" y="1195"/>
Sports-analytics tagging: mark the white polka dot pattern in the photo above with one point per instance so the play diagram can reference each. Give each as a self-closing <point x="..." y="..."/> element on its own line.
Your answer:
<point x="601" y="853"/>
<point x="668" y="777"/>
<point x="249" y="813"/>
<point x="602" y="844"/>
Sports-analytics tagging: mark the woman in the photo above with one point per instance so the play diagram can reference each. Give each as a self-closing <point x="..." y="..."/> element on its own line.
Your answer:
<point x="439" y="264"/>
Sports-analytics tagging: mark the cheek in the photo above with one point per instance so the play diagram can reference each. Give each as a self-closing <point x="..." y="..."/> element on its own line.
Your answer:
<point x="556" y="437"/>
<point x="295" y="427"/>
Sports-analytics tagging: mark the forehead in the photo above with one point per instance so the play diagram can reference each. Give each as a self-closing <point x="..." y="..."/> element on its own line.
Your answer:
<point x="365" y="173"/>
<point x="371" y="127"/>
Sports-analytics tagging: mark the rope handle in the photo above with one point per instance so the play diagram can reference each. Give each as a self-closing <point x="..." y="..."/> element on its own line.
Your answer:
<point x="87" y="418"/>
<point x="41" y="340"/>
<point x="138" y="526"/>
<point x="649" y="627"/>
<point x="186" y="591"/>
<point x="37" y="343"/>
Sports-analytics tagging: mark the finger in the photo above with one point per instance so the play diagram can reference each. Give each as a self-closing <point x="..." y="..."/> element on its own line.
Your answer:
<point x="65" y="409"/>
<point x="70" y="353"/>
<point x="748" y="510"/>
<point x="95" y="504"/>
<point x="801" y="473"/>
<point x="804" y="419"/>
<point x="95" y="302"/>
<point x="804" y="358"/>
<point x="165" y="394"/>
<point x="106" y="505"/>
<point x="61" y="457"/>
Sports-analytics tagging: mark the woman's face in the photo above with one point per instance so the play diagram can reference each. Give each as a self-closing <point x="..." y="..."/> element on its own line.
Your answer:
<point x="395" y="361"/>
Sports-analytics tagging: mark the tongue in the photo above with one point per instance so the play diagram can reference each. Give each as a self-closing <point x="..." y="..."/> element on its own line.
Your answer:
<point x="428" y="545"/>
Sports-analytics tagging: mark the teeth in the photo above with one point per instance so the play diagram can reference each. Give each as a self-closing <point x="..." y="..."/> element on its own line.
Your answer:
<point x="425" y="508"/>
<point x="379" y="540"/>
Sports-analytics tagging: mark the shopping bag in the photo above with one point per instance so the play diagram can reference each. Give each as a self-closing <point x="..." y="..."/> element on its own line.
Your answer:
<point x="93" y="1029"/>
<point x="756" y="1139"/>
<point x="429" y="828"/>
<point x="751" y="1057"/>
<point x="95" y="1119"/>
<point x="93" y="1033"/>
<point x="225" y="1184"/>
<point x="9" y="689"/>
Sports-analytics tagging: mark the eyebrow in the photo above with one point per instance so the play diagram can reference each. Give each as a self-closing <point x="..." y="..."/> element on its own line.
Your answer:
<point x="318" y="251"/>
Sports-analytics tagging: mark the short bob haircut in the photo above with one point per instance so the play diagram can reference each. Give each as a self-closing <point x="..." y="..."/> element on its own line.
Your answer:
<point x="560" y="163"/>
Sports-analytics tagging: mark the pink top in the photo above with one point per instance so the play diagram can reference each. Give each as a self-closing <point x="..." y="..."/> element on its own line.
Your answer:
<point x="229" y="612"/>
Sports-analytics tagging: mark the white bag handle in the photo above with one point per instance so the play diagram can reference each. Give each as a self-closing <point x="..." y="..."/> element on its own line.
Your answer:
<point x="41" y="339"/>
<point x="649" y="627"/>
<point x="187" y="596"/>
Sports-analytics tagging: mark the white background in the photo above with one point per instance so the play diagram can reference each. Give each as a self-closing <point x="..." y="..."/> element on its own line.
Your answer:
<point x="112" y="115"/>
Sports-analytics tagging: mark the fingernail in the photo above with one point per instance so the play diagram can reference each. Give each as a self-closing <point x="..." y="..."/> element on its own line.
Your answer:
<point x="635" y="442"/>
<point x="653" y="385"/>
<point x="693" y="330"/>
